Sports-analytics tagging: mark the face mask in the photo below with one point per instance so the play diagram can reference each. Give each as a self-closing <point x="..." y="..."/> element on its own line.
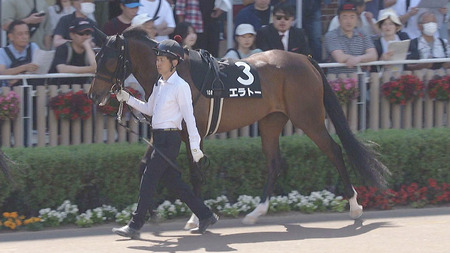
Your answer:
<point x="87" y="8"/>
<point x="429" y="28"/>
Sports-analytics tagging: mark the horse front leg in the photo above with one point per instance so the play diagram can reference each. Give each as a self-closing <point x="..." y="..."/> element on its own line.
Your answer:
<point x="270" y="128"/>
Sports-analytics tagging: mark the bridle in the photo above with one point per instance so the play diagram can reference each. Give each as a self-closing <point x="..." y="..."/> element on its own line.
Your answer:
<point x="116" y="47"/>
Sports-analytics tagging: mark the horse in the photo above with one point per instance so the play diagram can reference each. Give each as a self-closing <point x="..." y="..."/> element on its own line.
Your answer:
<point x="293" y="88"/>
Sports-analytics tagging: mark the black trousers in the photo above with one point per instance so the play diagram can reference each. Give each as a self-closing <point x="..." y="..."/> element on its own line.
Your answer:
<point x="168" y="143"/>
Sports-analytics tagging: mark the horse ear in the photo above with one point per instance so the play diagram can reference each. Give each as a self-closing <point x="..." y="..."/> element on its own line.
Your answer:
<point x="101" y="35"/>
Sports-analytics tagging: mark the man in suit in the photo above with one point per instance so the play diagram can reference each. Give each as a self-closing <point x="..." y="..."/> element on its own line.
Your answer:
<point x="281" y="34"/>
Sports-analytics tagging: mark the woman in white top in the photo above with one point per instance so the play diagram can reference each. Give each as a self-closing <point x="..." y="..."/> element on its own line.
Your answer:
<point x="245" y="39"/>
<point x="59" y="9"/>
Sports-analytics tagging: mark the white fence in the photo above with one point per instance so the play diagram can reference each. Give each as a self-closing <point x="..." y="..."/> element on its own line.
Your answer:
<point x="37" y="125"/>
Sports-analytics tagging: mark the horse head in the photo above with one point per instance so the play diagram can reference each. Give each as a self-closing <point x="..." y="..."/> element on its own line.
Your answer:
<point x="114" y="64"/>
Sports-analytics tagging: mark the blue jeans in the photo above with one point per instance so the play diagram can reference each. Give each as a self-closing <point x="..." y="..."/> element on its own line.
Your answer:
<point x="313" y="27"/>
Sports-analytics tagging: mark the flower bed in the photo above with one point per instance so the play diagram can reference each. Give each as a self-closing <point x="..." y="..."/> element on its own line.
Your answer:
<point x="71" y="105"/>
<point x="439" y="88"/>
<point x="9" y="106"/>
<point x="345" y="89"/>
<point x="403" y="89"/>
<point x="370" y="197"/>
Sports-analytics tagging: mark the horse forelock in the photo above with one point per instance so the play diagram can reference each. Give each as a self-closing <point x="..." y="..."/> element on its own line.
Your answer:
<point x="140" y="34"/>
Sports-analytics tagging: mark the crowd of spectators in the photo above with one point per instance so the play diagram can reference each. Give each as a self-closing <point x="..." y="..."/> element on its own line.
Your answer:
<point x="360" y="32"/>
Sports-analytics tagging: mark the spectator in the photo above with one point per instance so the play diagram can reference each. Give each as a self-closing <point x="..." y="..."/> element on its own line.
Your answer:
<point x="83" y="8"/>
<point x="312" y="23"/>
<point x="146" y="22"/>
<point x="211" y="13"/>
<point x="256" y="14"/>
<point x="408" y="12"/>
<point x="427" y="46"/>
<point x="281" y="34"/>
<point x="16" y="57"/>
<point x="375" y="6"/>
<point x="390" y="26"/>
<point x="118" y="24"/>
<point x="59" y="10"/>
<point x="245" y="39"/>
<point x="77" y="55"/>
<point x="162" y="14"/>
<point x="365" y="21"/>
<point x="348" y="44"/>
<point x="189" y="11"/>
<point x="34" y="13"/>
<point x="187" y="33"/>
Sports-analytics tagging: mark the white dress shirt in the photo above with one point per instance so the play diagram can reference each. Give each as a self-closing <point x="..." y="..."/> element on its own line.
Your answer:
<point x="170" y="103"/>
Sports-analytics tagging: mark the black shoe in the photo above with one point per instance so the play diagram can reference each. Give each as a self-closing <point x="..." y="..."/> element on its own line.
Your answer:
<point x="126" y="231"/>
<point x="204" y="224"/>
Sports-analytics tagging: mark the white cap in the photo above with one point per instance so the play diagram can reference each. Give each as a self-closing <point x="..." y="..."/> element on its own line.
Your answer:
<point x="392" y="15"/>
<point x="244" y="29"/>
<point x="140" y="19"/>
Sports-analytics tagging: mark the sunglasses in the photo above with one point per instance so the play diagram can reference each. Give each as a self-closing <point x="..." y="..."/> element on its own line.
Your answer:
<point x="279" y="17"/>
<point x="84" y="33"/>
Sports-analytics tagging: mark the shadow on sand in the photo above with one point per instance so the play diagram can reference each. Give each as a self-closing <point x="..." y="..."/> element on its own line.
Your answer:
<point x="218" y="243"/>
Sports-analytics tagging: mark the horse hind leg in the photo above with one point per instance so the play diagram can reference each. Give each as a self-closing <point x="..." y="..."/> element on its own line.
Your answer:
<point x="270" y="128"/>
<point x="320" y="136"/>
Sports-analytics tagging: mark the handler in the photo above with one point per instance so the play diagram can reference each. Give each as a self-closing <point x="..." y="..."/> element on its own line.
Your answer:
<point x="169" y="104"/>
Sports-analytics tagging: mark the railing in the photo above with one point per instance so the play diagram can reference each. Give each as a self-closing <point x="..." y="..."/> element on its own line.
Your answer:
<point x="37" y="125"/>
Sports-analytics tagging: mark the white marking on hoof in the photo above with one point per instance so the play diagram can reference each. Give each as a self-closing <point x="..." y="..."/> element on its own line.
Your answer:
<point x="356" y="210"/>
<point x="192" y="223"/>
<point x="252" y="217"/>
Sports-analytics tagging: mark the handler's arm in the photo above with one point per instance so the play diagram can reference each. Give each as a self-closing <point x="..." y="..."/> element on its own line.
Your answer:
<point x="146" y="108"/>
<point x="185" y="103"/>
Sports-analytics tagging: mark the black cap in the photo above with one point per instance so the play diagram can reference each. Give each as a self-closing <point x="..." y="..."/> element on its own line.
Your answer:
<point x="347" y="6"/>
<point x="81" y="25"/>
<point x="170" y="48"/>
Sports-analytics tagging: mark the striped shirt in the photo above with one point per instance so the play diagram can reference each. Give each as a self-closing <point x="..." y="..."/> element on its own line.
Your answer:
<point x="190" y="9"/>
<point x="356" y="45"/>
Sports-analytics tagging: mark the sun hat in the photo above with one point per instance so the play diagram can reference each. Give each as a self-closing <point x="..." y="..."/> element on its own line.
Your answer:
<point x="392" y="15"/>
<point x="244" y="29"/>
<point x="141" y="19"/>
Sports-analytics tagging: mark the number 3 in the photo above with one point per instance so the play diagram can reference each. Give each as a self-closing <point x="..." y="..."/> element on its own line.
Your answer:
<point x="246" y="71"/>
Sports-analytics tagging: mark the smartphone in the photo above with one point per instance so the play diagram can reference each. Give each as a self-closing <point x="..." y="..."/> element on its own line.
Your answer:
<point x="40" y="14"/>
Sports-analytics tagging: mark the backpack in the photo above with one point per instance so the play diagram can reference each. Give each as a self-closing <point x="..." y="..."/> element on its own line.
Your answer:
<point x="22" y="61"/>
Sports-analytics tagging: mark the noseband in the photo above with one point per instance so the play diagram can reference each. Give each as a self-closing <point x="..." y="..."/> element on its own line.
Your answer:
<point x="116" y="48"/>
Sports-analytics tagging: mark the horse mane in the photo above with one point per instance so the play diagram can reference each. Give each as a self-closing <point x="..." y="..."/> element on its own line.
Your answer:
<point x="136" y="32"/>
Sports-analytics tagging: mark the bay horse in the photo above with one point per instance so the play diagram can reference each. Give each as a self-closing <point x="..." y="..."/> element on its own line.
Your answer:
<point x="293" y="88"/>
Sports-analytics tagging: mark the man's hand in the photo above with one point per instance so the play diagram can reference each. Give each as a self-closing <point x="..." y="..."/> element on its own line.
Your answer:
<point x="387" y="56"/>
<point x="352" y="61"/>
<point x="122" y="96"/>
<point x="413" y="11"/>
<point x="197" y="154"/>
<point x="87" y="44"/>
<point x="30" y="67"/>
<point x="369" y="16"/>
<point x="34" y="19"/>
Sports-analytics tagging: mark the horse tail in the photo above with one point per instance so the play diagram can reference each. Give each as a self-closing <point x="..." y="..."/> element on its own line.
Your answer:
<point x="359" y="155"/>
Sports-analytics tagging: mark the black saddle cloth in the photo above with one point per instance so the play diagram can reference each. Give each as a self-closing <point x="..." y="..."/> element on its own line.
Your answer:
<point x="227" y="78"/>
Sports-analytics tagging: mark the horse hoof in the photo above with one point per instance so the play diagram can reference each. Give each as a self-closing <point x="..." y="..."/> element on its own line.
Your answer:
<point x="356" y="212"/>
<point x="190" y="225"/>
<point x="249" y="220"/>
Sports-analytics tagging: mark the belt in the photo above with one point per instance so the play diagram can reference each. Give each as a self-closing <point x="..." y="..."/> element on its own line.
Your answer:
<point x="166" y="130"/>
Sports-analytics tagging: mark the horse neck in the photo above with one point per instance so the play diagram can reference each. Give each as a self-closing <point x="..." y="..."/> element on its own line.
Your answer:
<point x="143" y="61"/>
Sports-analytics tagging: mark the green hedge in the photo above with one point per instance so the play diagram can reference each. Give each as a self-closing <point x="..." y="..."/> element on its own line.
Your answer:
<point x="91" y="175"/>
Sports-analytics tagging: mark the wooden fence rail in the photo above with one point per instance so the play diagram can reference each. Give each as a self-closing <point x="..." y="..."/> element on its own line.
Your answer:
<point x="40" y="127"/>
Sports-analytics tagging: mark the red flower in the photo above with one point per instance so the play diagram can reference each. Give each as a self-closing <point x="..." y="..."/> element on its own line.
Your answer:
<point x="71" y="106"/>
<point x="403" y="89"/>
